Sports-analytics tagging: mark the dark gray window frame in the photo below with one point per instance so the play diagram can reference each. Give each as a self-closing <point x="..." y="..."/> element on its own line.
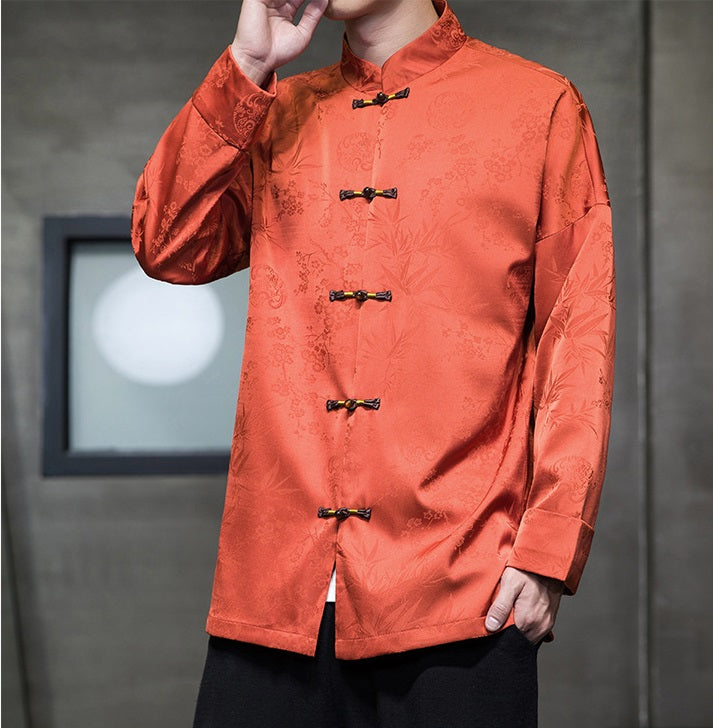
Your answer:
<point x="60" y="234"/>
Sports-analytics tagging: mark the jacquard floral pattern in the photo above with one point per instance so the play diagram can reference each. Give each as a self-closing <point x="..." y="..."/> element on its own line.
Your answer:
<point x="289" y="199"/>
<point x="351" y="152"/>
<point x="266" y="286"/>
<point x="448" y="110"/>
<point x="502" y="165"/>
<point x="576" y="474"/>
<point x="245" y="116"/>
<point x="419" y="145"/>
<point x="448" y="32"/>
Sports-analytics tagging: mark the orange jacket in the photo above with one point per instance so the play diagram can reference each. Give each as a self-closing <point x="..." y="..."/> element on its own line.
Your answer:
<point x="459" y="406"/>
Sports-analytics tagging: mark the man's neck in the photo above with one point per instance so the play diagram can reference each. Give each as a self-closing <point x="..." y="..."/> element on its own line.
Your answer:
<point x="378" y="35"/>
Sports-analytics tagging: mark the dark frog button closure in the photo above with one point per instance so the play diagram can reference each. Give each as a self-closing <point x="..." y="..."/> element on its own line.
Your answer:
<point x="341" y="514"/>
<point x="380" y="99"/>
<point x="360" y="295"/>
<point x="351" y="404"/>
<point x="368" y="193"/>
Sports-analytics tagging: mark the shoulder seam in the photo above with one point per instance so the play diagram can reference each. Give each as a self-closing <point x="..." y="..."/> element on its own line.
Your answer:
<point x="522" y="62"/>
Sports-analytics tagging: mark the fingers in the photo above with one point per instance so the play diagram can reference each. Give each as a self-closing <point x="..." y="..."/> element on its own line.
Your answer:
<point x="535" y="624"/>
<point x="533" y="599"/>
<point x="504" y="602"/>
<point x="267" y="38"/>
<point x="312" y="15"/>
<point x="536" y="607"/>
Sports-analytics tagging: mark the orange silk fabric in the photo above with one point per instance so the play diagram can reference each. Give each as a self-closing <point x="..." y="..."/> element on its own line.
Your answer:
<point x="492" y="361"/>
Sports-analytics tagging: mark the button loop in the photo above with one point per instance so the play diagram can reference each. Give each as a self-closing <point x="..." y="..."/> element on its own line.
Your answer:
<point x="380" y="99"/>
<point x="342" y="514"/>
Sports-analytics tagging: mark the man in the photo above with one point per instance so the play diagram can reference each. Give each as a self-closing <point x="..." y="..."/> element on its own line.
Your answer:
<point x="426" y="385"/>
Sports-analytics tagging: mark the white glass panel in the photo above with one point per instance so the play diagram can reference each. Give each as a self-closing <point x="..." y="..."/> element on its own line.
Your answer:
<point x="152" y="367"/>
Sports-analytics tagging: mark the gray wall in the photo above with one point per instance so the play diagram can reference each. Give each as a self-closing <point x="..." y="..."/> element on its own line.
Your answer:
<point x="106" y="580"/>
<point x="681" y="356"/>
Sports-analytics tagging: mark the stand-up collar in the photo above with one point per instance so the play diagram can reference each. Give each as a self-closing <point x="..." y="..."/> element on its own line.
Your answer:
<point x="429" y="50"/>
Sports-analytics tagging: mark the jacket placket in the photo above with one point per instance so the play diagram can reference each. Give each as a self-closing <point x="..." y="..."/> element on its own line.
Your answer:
<point x="353" y="404"/>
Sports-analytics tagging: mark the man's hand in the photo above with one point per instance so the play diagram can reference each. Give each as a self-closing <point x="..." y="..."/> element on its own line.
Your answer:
<point x="535" y="600"/>
<point x="267" y="37"/>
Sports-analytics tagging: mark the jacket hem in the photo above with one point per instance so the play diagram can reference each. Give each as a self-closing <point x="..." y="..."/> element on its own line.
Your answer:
<point x="357" y="648"/>
<point x="275" y="638"/>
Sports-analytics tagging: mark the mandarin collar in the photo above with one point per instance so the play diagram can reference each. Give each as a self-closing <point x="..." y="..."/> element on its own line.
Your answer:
<point x="432" y="48"/>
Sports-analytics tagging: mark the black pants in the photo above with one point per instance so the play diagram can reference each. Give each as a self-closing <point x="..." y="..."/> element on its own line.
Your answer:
<point x="488" y="682"/>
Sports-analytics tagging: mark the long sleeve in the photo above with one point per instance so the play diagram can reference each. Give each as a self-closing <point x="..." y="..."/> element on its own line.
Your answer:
<point x="192" y="211"/>
<point x="574" y="304"/>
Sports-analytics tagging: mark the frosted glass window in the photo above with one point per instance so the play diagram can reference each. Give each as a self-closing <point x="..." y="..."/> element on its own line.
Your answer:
<point x="152" y="367"/>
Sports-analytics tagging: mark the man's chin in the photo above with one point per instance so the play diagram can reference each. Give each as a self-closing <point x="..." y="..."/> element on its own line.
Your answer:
<point x="334" y="12"/>
<point x="348" y="9"/>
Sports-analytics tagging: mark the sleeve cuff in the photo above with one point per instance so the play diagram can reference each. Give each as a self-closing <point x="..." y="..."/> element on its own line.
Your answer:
<point x="231" y="104"/>
<point x="552" y="544"/>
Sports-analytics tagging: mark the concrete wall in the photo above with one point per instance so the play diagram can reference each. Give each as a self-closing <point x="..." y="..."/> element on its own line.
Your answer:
<point x="111" y="576"/>
<point x="681" y="356"/>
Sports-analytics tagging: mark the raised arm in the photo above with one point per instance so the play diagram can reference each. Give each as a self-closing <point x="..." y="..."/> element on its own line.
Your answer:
<point x="192" y="210"/>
